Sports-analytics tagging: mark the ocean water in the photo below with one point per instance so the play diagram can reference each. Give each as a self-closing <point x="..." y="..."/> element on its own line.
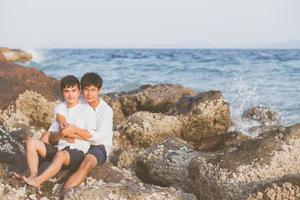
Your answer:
<point x="246" y="77"/>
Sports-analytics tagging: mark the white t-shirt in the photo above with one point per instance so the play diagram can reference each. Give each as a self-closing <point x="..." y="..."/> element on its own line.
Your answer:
<point x="82" y="116"/>
<point x="104" y="123"/>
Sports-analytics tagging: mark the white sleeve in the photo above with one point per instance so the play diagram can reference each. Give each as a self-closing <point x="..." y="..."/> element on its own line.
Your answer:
<point x="54" y="125"/>
<point x="90" y="120"/>
<point x="104" y="127"/>
<point x="60" y="109"/>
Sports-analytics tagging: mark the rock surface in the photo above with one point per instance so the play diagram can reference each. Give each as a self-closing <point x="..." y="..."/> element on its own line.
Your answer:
<point x="157" y="99"/>
<point x="230" y="174"/>
<point x="30" y="109"/>
<point x="13" y="55"/>
<point x="208" y="116"/>
<point x="16" y="79"/>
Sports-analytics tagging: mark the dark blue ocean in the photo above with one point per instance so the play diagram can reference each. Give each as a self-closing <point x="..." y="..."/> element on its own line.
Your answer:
<point x="246" y="77"/>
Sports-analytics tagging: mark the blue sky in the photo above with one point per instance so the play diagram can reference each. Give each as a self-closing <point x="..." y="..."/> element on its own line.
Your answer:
<point x="149" y="23"/>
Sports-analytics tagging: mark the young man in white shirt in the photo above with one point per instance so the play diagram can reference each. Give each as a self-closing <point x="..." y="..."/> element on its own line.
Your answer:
<point x="67" y="152"/>
<point x="101" y="140"/>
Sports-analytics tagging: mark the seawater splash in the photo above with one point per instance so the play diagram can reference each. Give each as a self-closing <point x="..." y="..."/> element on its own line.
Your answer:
<point x="38" y="56"/>
<point x="245" y="97"/>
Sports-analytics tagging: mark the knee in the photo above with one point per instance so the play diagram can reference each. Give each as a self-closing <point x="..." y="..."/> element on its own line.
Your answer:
<point x="61" y="155"/>
<point x="31" y="143"/>
<point x="88" y="164"/>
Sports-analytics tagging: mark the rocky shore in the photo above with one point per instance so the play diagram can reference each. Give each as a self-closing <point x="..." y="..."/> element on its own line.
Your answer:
<point x="170" y="142"/>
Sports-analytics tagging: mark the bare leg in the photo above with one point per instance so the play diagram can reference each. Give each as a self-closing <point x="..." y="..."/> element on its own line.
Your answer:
<point x="45" y="137"/>
<point x="34" y="148"/>
<point x="89" y="162"/>
<point x="61" y="158"/>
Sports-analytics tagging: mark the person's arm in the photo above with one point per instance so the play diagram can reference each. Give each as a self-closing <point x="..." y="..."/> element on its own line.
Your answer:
<point x="73" y="131"/>
<point x="54" y="137"/>
<point x="62" y="121"/>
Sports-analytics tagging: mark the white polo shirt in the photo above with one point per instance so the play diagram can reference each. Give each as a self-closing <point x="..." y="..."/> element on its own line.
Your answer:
<point x="82" y="116"/>
<point x="104" y="124"/>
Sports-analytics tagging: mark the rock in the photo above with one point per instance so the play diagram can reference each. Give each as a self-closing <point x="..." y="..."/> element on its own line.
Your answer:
<point x="157" y="99"/>
<point x="2" y="58"/>
<point x="108" y="182"/>
<point x="285" y="188"/>
<point x="2" y="172"/>
<point x="30" y="109"/>
<point x="143" y="129"/>
<point x="207" y="119"/>
<point x="209" y="115"/>
<point x="13" y="55"/>
<point x="127" y="191"/>
<point x="159" y="162"/>
<point x="8" y="143"/>
<point x="264" y="115"/>
<point x="36" y="108"/>
<point x="128" y="158"/>
<point x="16" y="79"/>
<point x="233" y="173"/>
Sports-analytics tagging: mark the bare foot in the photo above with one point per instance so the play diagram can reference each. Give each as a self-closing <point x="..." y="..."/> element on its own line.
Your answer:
<point x="32" y="181"/>
<point x="17" y="176"/>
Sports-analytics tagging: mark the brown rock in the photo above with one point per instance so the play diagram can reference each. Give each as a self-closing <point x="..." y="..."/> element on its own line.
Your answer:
<point x="16" y="79"/>
<point x="158" y="99"/>
<point x="284" y="188"/>
<point x="209" y="116"/>
<point x="203" y="123"/>
<point x="143" y="129"/>
<point x="13" y="55"/>
<point x="2" y="58"/>
<point x="264" y="115"/>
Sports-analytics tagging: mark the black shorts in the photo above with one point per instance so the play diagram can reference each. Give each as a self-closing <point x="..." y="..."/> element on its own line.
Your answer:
<point x="50" y="152"/>
<point x="99" y="152"/>
<point x="76" y="156"/>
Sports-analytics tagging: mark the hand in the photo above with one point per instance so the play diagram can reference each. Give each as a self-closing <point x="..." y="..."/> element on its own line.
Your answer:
<point x="70" y="129"/>
<point x="63" y="125"/>
<point x="70" y="140"/>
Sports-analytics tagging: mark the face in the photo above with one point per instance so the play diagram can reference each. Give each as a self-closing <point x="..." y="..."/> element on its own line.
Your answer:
<point x="91" y="94"/>
<point x="71" y="94"/>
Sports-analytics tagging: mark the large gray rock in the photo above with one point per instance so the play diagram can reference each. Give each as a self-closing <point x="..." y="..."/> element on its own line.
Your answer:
<point x="232" y="173"/>
<point x="109" y="182"/>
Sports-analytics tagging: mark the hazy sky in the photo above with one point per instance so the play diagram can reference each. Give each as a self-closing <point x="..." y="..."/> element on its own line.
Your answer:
<point x="148" y="23"/>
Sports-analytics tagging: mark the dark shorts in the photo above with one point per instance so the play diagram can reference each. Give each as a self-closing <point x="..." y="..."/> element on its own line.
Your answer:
<point x="99" y="152"/>
<point x="76" y="156"/>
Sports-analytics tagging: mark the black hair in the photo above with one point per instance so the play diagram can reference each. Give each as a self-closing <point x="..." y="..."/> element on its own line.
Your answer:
<point x="91" y="79"/>
<point x="69" y="81"/>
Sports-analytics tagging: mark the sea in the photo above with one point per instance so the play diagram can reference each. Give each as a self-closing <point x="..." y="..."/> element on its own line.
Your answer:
<point x="246" y="77"/>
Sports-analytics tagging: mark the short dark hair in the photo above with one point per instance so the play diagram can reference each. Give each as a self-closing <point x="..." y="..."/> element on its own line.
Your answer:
<point x="91" y="79"/>
<point x="69" y="81"/>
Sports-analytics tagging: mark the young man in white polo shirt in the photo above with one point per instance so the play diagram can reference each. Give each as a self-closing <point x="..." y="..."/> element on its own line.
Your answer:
<point x="101" y="140"/>
<point x="67" y="152"/>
